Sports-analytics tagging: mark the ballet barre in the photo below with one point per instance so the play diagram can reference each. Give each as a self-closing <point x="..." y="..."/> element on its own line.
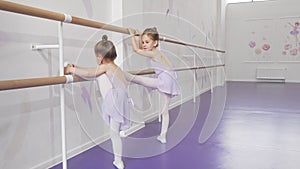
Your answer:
<point x="65" y="79"/>
<point x="151" y="71"/>
<point x="41" y="13"/>
<point x="47" y="81"/>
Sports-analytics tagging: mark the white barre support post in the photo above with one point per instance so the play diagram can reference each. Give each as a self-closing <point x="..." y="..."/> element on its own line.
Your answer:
<point x="62" y="96"/>
<point x="194" y="85"/>
<point x="194" y="75"/>
<point x="221" y="72"/>
<point x="40" y="47"/>
<point x="159" y="108"/>
<point x="211" y="75"/>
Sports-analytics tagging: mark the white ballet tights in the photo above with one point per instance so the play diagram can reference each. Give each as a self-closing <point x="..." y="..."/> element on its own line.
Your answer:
<point x="142" y="80"/>
<point x="152" y="82"/>
<point x="165" y="118"/>
<point x="116" y="143"/>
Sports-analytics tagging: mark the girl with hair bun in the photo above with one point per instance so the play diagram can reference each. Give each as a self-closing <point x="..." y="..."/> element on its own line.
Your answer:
<point x="166" y="77"/>
<point x="115" y="106"/>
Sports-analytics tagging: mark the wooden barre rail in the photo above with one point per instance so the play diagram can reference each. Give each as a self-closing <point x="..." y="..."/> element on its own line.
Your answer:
<point x="151" y="71"/>
<point x="41" y="13"/>
<point x="36" y="82"/>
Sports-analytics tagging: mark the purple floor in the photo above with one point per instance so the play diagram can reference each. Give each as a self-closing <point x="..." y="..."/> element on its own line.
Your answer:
<point x="260" y="129"/>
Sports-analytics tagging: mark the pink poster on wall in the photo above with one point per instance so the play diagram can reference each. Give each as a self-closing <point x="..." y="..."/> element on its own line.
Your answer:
<point x="260" y="43"/>
<point x="290" y="38"/>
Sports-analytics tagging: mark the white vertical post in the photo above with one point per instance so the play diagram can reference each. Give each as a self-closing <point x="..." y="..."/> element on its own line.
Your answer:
<point x="194" y="86"/>
<point x="159" y="108"/>
<point x="62" y="96"/>
<point x="211" y="75"/>
<point x="221" y="24"/>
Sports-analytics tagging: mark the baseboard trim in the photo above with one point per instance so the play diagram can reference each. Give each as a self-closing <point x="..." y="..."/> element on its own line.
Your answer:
<point x="72" y="153"/>
<point x="254" y="80"/>
<point x="132" y="129"/>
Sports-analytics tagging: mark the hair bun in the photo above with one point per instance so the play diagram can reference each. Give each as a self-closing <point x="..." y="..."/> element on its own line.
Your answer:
<point x="154" y="28"/>
<point x="104" y="37"/>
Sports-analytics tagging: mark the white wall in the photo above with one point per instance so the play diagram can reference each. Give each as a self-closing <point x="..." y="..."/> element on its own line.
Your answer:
<point x="30" y="134"/>
<point x="30" y="118"/>
<point x="263" y="22"/>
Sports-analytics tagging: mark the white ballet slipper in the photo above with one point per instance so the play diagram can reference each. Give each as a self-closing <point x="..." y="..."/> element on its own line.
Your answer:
<point x="119" y="164"/>
<point x="162" y="139"/>
<point x="123" y="134"/>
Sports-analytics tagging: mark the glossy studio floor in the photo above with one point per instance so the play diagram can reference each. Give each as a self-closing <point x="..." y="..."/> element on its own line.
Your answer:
<point x="260" y="129"/>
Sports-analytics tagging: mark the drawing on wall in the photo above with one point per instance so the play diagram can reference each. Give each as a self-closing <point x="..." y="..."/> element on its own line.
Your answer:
<point x="171" y="10"/>
<point x="259" y="41"/>
<point x="290" y="45"/>
<point x="88" y="8"/>
<point x="259" y="46"/>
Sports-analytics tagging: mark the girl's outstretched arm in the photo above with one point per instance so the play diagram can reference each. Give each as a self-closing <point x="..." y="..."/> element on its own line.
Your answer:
<point x="90" y="69"/>
<point x="136" y="49"/>
<point x="291" y="24"/>
<point x="86" y="72"/>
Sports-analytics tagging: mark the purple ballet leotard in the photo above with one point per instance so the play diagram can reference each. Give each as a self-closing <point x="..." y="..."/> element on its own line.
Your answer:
<point x="294" y="31"/>
<point x="116" y="103"/>
<point x="166" y="78"/>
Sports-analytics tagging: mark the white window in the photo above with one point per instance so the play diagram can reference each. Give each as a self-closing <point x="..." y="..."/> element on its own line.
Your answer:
<point x="238" y="1"/>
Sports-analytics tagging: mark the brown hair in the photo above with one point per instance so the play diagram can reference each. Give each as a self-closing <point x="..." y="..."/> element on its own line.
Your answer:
<point x="152" y="33"/>
<point x="106" y="48"/>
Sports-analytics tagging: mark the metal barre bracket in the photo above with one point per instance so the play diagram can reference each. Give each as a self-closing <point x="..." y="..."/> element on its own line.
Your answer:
<point x="40" y="47"/>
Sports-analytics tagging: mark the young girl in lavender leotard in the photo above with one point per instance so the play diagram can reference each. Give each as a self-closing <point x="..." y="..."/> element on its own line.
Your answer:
<point x="166" y="77"/>
<point x="115" y="106"/>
